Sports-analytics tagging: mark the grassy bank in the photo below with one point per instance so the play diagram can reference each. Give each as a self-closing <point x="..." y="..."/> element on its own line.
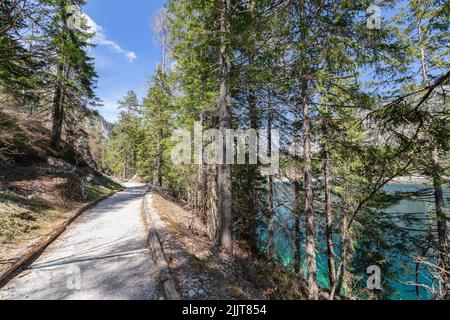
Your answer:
<point x="31" y="209"/>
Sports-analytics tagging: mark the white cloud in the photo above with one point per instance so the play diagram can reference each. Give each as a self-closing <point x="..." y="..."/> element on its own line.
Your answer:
<point x="131" y="56"/>
<point x="101" y="39"/>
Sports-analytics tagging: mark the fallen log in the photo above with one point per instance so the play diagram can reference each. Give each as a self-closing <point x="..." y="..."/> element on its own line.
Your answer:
<point x="166" y="278"/>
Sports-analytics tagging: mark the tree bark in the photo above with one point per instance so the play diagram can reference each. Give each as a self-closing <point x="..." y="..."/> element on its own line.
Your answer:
<point x="212" y="216"/>
<point x="270" y="218"/>
<point x="249" y="218"/>
<point x="309" y="199"/>
<point x="297" y="192"/>
<point x="159" y="161"/>
<point x="125" y="166"/>
<point x="58" y="99"/>
<point x="224" y="174"/>
<point x="298" y="217"/>
<point x="250" y="212"/>
<point x="200" y="204"/>
<point x="328" y="206"/>
<point x="341" y="272"/>
<point x="271" y="195"/>
<point x="313" y="287"/>
<point x="57" y="111"/>
<point x="347" y="242"/>
<point x="443" y="250"/>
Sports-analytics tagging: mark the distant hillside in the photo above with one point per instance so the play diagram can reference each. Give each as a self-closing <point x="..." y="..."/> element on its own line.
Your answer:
<point x="100" y="126"/>
<point x="25" y="139"/>
<point x="96" y="130"/>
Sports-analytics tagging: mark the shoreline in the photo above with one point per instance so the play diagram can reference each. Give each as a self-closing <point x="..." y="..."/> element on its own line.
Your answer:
<point x="412" y="180"/>
<point x="398" y="180"/>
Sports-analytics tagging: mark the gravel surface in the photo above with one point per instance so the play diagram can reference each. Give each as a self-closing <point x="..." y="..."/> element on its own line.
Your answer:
<point x="102" y="256"/>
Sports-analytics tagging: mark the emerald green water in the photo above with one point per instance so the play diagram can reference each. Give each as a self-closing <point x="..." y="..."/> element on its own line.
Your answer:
<point x="416" y="204"/>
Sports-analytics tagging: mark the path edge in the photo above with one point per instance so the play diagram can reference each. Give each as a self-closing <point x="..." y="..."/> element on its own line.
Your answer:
<point x="37" y="249"/>
<point x="167" y="281"/>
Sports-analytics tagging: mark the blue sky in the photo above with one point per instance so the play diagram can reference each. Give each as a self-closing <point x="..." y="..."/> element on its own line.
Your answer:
<point x="127" y="52"/>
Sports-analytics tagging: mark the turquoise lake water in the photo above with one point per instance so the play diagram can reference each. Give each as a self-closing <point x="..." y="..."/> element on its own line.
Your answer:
<point x="420" y="207"/>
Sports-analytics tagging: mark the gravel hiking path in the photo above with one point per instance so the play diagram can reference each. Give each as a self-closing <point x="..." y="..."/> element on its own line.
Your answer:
<point x="102" y="256"/>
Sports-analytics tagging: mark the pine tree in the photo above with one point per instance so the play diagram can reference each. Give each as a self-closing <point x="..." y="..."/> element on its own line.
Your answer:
<point x="425" y="26"/>
<point x="19" y="64"/>
<point x="157" y="116"/>
<point x="74" y="79"/>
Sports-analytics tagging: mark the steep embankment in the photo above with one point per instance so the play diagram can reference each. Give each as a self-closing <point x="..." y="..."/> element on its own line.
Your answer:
<point x="202" y="271"/>
<point x="38" y="186"/>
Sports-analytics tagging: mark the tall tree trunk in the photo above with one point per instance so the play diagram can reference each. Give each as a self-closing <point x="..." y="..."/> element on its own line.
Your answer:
<point x="443" y="250"/>
<point x="224" y="174"/>
<point x="297" y="191"/>
<point x="422" y="51"/>
<point x="58" y="111"/>
<point x="298" y="217"/>
<point x="58" y="99"/>
<point x="271" y="195"/>
<point x="211" y="192"/>
<point x="328" y="206"/>
<point x="201" y="192"/>
<point x="341" y="272"/>
<point x="313" y="287"/>
<point x="125" y="167"/>
<point x="249" y="219"/>
<point x="251" y="203"/>
<point x="159" y="175"/>
<point x="444" y="254"/>
<point x="212" y="216"/>
<point x="158" y="162"/>
<point x="164" y="55"/>
<point x="202" y="177"/>
<point x="270" y="218"/>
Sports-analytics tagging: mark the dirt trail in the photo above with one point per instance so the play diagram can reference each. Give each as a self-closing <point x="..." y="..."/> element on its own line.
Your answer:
<point x="102" y="256"/>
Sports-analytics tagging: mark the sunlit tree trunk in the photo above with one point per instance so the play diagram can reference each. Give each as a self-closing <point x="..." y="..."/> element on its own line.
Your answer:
<point x="224" y="174"/>
<point x="443" y="250"/>
<point x="58" y="110"/>
<point x="159" y="161"/>
<point x="313" y="288"/>
<point x="444" y="259"/>
<point x="309" y="200"/>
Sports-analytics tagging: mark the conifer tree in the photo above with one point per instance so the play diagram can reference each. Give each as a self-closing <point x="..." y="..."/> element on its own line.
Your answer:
<point x="73" y="77"/>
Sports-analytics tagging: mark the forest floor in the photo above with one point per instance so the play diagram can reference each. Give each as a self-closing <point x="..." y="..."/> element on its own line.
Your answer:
<point x="203" y="272"/>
